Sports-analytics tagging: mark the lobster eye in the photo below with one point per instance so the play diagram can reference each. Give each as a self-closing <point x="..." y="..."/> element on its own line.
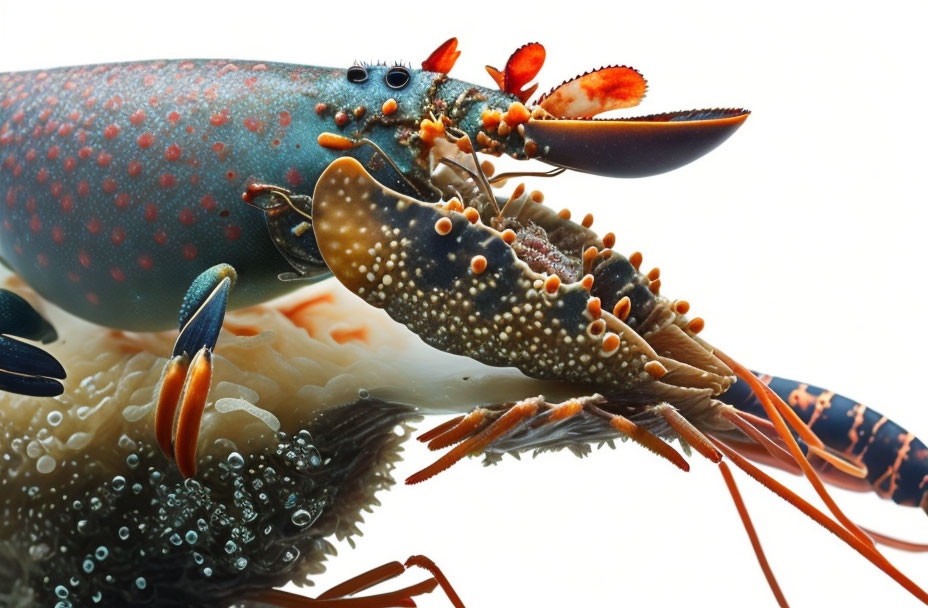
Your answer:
<point x="397" y="77"/>
<point x="357" y="74"/>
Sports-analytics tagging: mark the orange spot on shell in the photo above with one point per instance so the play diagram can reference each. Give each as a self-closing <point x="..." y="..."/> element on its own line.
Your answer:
<point x="478" y="264"/>
<point x="508" y="236"/>
<point x="696" y="325"/>
<point x="331" y="141"/>
<point x="472" y="215"/>
<point x="564" y="214"/>
<point x="635" y="259"/>
<point x="587" y="282"/>
<point x="609" y="240"/>
<point x="655" y="369"/>
<point x="552" y="283"/>
<point x="611" y="343"/>
<point x="594" y="307"/>
<point x="443" y="226"/>
<point x="491" y="119"/>
<point x="341" y="336"/>
<point x="388" y="107"/>
<point x="681" y="306"/>
<point x="622" y="308"/>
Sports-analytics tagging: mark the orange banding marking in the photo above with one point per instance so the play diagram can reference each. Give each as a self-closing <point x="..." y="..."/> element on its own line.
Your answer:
<point x="441" y="428"/>
<point x="341" y="336"/>
<point x="478" y="264"/>
<point x="332" y="141"/>
<point x="690" y="433"/>
<point x="388" y="107"/>
<point x="171" y="386"/>
<point x="564" y="410"/>
<point x="635" y="259"/>
<point x="443" y="226"/>
<point x="241" y="330"/>
<point x="622" y="308"/>
<point x="801" y="397"/>
<point x="191" y="412"/>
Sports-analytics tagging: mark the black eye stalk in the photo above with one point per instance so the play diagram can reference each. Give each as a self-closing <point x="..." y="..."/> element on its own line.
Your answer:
<point x="357" y="74"/>
<point x="397" y="77"/>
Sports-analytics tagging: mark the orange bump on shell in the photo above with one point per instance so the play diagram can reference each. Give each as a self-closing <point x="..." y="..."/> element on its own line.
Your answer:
<point x="331" y="141"/>
<point x="478" y="264"/>
<point x="491" y="119"/>
<point x="655" y="286"/>
<point x="654" y="274"/>
<point x="594" y="307"/>
<point x="464" y="145"/>
<point x="611" y="343"/>
<point x="503" y="129"/>
<point x="590" y="253"/>
<point x="537" y="196"/>
<point x="429" y="130"/>
<point x="681" y="306"/>
<point x="609" y="240"/>
<point x="472" y="215"/>
<point x="696" y="325"/>
<point x="443" y="226"/>
<point x="552" y="283"/>
<point x="597" y="327"/>
<point x="635" y="259"/>
<point x="520" y="189"/>
<point x="388" y="107"/>
<point x="622" y="308"/>
<point x="517" y="114"/>
<point x="341" y="118"/>
<point x="508" y="236"/>
<point x="487" y="168"/>
<point x="455" y="205"/>
<point x="587" y="282"/>
<point x="564" y="214"/>
<point x="587" y="220"/>
<point x="655" y="369"/>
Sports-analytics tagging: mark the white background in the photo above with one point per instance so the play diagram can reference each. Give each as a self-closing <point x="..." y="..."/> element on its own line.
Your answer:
<point x="800" y="241"/>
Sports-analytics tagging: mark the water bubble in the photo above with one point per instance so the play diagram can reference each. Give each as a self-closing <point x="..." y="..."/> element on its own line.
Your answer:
<point x="119" y="483"/>
<point x="132" y="460"/>
<point x="140" y="582"/>
<point x="302" y="518"/>
<point x="191" y="537"/>
<point x="207" y="571"/>
<point x="126" y="443"/>
<point x="364" y="394"/>
<point x="54" y="418"/>
<point x="61" y="591"/>
<point x="236" y="461"/>
<point x="197" y="558"/>
<point x="137" y="488"/>
<point x="101" y="553"/>
<point x="46" y="464"/>
<point x="241" y="562"/>
<point x="95" y="503"/>
<point x="124" y="533"/>
<point x="175" y="539"/>
<point x="97" y="597"/>
<point x="87" y="565"/>
<point x="231" y="547"/>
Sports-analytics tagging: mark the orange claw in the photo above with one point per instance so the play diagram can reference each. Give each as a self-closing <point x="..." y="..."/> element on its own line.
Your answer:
<point x="598" y="91"/>
<point x="191" y="412"/>
<point x="522" y="67"/>
<point x="442" y="59"/>
<point x="172" y="383"/>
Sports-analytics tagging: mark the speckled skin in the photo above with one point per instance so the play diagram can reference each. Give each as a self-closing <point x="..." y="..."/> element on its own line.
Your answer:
<point x="120" y="183"/>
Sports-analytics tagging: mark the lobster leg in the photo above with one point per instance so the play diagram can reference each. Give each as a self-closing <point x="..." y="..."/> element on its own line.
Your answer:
<point x="24" y="368"/>
<point x="338" y="596"/>
<point x="185" y="381"/>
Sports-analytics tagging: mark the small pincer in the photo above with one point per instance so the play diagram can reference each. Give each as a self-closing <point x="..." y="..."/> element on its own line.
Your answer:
<point x="24" y="368"/>
<point x="185" y="381"/>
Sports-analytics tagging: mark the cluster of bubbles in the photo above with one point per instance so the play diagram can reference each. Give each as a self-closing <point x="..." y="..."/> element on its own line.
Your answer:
<point x="127" y="540"/>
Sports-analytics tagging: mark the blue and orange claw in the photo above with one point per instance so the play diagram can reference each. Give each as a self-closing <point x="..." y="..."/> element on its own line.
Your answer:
<point x="186" y="377"/>
<point x="26" y="369"/>
<point x="635" y="147"/>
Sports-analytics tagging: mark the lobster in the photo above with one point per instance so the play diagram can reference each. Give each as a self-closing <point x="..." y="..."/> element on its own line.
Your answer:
<point x="126" y="185"/>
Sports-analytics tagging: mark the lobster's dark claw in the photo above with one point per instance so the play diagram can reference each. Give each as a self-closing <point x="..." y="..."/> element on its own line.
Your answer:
<point x="634" y="147"/>
<point x="26" y="369"/>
